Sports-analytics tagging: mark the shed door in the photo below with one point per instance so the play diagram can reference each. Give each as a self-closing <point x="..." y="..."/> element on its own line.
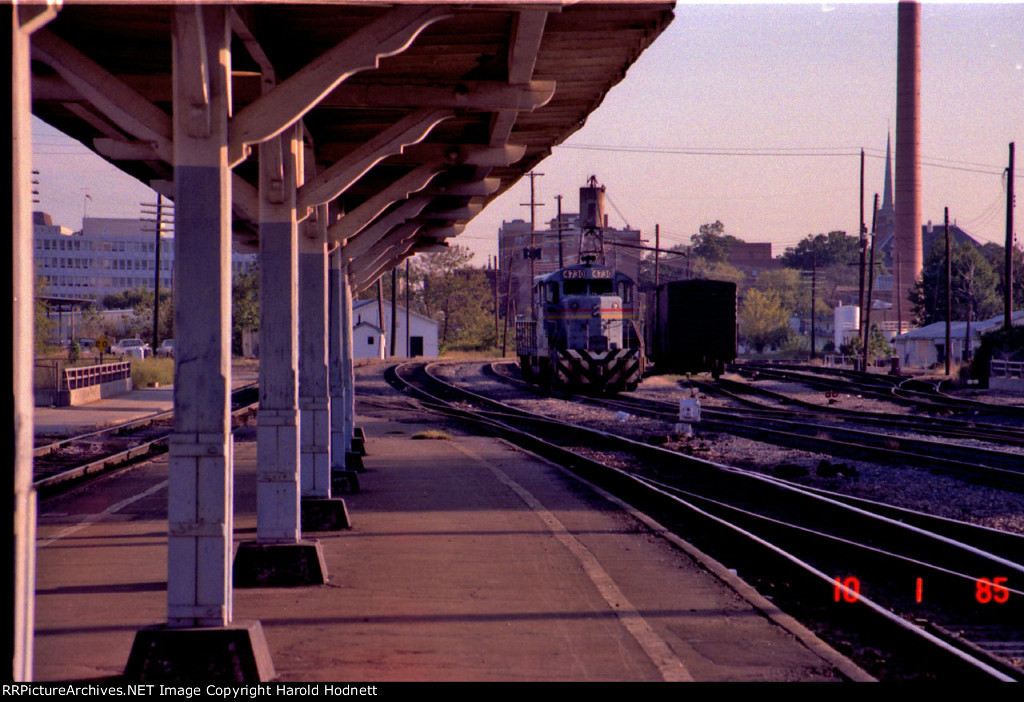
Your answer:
<point x="415" y="346"/>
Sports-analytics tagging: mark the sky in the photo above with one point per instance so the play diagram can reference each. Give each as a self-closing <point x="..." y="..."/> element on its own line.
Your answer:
<point x="750" y="114"/>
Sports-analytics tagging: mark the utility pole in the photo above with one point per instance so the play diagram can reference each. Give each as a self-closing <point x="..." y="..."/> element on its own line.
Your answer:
<point x="496" y="274"/>
<point x="407" y="353"/>
<point x="814" y="289"/>
<point x="657" y="253"/>
<point x="533" y="205"/>
<point x="561" y="262"/>
<point x="394" y="311"/>
<point x="864" y="331"/>
<point x="1008" y="272"/>
<point x="899" y="302"/>
<point x="949" y="298"/>
<point x="871" y="285"/>
<point x="159" y="227"/>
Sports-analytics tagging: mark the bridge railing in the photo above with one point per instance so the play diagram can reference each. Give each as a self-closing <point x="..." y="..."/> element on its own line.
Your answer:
<point x="86" y="376"/>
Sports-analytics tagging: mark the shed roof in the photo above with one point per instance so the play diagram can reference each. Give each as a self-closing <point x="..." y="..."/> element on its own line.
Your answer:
<point x="498" y="85"/>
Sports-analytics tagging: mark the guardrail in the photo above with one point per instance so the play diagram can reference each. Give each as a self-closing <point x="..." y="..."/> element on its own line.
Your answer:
<point x="87" y="376"/>
<point x="1006" y="369"/>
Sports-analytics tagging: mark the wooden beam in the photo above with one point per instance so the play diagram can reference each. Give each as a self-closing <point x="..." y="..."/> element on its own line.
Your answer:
<point x="339" y="177"/>
<point x="386" y="36"/>
<point x="350" y="225"/>
<point x="371" y="235"/>
<point x="447" y="154"/>
<point x="473" y="95"/>
<point x="122" y="105"/>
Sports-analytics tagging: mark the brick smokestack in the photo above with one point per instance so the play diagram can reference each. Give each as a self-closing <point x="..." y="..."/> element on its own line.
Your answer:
<point x="908" y="150"/>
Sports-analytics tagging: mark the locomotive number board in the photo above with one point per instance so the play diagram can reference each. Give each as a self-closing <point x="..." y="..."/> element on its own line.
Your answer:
<point x="584" y="273"/>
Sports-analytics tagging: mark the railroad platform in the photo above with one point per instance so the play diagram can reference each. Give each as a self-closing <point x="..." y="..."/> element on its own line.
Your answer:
<point x="129" y="406"/>
<point x="468" y="560"/>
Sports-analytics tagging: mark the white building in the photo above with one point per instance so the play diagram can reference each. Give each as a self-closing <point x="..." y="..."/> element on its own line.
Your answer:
<point x="370" y="341"/>
<point x="108" y="256"/>
<point x="925" y="347"/>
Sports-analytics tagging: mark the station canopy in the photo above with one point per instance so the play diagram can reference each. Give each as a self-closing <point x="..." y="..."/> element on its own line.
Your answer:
<point x="428" y="111"/>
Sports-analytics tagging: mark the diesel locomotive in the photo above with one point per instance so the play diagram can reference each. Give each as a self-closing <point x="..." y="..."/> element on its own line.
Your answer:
<point x="583" y="335"/>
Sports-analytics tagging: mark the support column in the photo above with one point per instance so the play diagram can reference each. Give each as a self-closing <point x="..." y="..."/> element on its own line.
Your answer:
<point x="320" y="512"/>
<point x="21" y="577"/>
<point x="343" y="478"/>
<point x="279" y="556"/>
<point x="199" y="639"/>
<point x="348" y="376"/>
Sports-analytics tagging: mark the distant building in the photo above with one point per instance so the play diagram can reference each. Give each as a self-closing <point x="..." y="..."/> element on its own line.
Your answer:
<point x="370" y="341"/>
<point x="559" y="246"/>
<point x="753" y="259"/>
<point x="926" y="347"/>
<point x="108" y="256"/>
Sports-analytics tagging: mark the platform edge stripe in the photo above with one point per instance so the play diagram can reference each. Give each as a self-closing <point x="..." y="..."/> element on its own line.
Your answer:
<point x="659" y="652"/>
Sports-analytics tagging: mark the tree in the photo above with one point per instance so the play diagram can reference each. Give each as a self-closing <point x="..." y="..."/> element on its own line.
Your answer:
<point x="823" y="251"/>
<point x="245" y="306"/>
<point x="43" y="324"/>
<point x="974" y="286"/>
<point x="788" y="284"/>
<point x="996" y="257"/>
<point x="702" y="268"/>
<point x="762" y="320"/>
<point x="138" y="298"/>
<point x="458" y="297"/>
<point x="712" y="243"/>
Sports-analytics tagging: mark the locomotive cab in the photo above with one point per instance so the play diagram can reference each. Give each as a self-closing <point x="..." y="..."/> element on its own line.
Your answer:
<point x="585" y="333"/>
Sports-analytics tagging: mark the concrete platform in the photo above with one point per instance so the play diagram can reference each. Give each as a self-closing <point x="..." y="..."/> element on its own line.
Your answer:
<point x="468" y="560"/>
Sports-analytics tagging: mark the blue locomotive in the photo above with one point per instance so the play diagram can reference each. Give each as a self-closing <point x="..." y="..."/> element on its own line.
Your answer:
<point x="584" y="336"/>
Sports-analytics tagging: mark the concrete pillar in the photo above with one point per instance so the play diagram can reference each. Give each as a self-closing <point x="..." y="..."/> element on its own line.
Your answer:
<point x="199" y="638"/>
<point x="279" y="556"/>
<point x="314" y="394"/>
<point x="344" y="463"/>
<point x="335" y="311"/>
<point x="21" y="576"/>
<point x="200" y="491"/>
<point x="348" y="377"/>
<point x="320" y="511"/>
<point x="277" y="433"/>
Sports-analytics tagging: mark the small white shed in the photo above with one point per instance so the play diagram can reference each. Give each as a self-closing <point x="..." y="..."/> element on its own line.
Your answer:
<point x="370" y="341"/>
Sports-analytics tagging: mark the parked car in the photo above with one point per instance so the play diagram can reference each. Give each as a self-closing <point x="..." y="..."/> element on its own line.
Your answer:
<point x="166" y="349"/>
<point x="136" y="348"/>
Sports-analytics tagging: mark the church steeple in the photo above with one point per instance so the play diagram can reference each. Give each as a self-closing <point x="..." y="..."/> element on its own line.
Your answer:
<point x="885" y="224"/>
<point x="887" y="191"/>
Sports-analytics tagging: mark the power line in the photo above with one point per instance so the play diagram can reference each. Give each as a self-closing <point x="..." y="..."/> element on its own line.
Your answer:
<point x="788" y="152"/>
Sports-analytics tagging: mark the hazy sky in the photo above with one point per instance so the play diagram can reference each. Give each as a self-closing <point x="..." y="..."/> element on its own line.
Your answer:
<point x="752" y="114"/>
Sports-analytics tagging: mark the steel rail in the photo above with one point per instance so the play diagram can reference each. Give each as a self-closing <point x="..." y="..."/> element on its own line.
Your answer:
<point x="120" y="459"/>
<point x="514" y="414"/>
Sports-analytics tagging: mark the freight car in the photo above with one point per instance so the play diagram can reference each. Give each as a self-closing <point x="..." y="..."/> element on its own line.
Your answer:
<point x="691" y="326"/>
<point x="585" y="335"/>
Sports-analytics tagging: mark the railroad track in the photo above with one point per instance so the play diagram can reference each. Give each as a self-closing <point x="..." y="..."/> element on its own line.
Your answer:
<point x="906" y="391"/>
<point x="65" y="463"/>
<point x="782" y="405"/>
<point x="988" y="466"/>
<point x="795" y="542"/>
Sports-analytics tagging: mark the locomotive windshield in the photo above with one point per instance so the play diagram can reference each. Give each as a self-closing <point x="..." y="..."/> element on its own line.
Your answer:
<point x="587" y="287"/>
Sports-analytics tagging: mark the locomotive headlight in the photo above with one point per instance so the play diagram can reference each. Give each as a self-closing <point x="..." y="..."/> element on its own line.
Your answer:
<point x="615" y="305"/>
